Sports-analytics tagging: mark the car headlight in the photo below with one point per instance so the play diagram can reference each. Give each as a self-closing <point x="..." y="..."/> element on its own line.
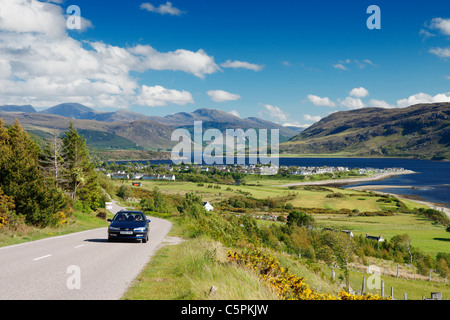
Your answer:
<point x="114" y="229"/>
<point x="143" y="229"/>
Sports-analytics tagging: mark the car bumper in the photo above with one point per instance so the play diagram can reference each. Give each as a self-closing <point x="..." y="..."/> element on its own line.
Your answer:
<point x="133" y="236"/>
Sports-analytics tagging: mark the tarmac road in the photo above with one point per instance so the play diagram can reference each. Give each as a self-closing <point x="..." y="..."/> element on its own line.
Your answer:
<point x="78" y="266"/>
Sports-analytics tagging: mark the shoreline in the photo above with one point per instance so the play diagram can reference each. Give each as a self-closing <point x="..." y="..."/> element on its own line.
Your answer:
<point x="375" y="177"/>
<point x="375" y="188"/>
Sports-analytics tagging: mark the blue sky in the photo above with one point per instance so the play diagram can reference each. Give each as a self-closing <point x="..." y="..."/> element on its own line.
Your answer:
<point x="291" y="62"/>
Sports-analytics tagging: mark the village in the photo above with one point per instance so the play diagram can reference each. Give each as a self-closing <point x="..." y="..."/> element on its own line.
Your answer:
<point x="137" y="171"/>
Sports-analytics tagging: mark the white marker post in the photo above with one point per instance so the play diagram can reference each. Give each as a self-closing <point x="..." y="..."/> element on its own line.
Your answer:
<point x="108" y="206"/>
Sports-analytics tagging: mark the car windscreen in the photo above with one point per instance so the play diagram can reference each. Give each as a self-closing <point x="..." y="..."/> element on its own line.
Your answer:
<point x="129" y="216"/>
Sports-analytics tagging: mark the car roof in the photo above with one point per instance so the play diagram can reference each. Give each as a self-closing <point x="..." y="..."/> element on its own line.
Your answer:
<point x="129" y="211"/>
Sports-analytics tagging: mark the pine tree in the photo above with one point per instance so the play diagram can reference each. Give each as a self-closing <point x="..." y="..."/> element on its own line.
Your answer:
<point x="21" y="178"/>
<point x="82" y="180"/>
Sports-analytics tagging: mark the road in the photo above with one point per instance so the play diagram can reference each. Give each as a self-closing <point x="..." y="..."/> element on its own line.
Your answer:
<point x="78" y="266"/>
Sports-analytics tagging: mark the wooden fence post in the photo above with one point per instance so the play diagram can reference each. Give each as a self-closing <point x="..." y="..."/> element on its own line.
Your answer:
<point x="363" y="285"/>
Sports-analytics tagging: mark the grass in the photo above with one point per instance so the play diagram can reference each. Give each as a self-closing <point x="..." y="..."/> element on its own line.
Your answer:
<point x="424" y="234"/>
<point x="76" y="223"/>
<point x="189" y="270"/>
<point x="269" y="189"/>
<point x="415" y="289"/>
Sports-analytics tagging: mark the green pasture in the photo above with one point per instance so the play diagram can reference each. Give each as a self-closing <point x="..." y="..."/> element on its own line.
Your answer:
<point x="425" y="234"/>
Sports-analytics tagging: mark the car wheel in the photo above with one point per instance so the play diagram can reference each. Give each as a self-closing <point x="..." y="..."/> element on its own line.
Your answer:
<point x="145" y="240"/>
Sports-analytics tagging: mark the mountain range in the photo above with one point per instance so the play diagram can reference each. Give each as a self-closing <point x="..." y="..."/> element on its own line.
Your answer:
<point x="126" y="130"/>
<point x="419" y="131"/>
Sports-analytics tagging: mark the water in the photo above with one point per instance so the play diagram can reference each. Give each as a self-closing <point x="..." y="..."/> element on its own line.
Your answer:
<point x="431" y="182"/>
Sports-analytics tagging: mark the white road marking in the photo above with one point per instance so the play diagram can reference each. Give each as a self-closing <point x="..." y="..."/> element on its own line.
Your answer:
<point x="43" y="257"/>
<point x="81" y="245"/>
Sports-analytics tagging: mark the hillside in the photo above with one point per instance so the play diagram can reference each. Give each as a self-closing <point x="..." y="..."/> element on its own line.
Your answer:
<point x="419" y="131"/>
<point x="108" y="140"/>
<point x="16" y="108"/>
<point x="126" y="130"/>
<point x="71" y="110"/>
<point x="217" y="119"/>
<point x="211" y="118"/>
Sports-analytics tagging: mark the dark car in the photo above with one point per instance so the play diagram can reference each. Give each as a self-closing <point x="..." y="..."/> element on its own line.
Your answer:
<point x="129" y="225"/>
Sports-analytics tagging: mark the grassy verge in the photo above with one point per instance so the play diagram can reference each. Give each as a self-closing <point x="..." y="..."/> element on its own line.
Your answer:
<point x="189" y="270"/>
<point x="76" y="223"/>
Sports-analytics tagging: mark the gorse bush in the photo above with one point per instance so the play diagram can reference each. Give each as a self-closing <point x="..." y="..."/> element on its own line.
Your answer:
<point x="288" y="286"/>
<point x="435" y="215"/>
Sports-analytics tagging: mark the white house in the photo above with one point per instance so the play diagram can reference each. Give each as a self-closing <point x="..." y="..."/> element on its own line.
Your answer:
<point x="379" y="238"/>
<point x="207" y="206"/>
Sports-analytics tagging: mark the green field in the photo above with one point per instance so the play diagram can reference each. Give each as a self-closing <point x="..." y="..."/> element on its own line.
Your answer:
<point x="425" y="234"/>
<point x="166" y="278"/>
<point x="262" y="189"/>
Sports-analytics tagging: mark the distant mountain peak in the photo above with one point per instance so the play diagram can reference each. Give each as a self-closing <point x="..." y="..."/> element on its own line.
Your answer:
<point x="70" y="110"/>
<point x="17" y="108"/>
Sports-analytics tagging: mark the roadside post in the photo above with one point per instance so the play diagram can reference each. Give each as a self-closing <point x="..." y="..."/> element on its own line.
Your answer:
<point x="108" y="206"/>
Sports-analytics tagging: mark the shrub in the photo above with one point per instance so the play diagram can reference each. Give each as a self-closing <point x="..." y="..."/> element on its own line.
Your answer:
<point x="286" y="285"/>
<point x="335" y="195"/>
<point x="300" y="219"/>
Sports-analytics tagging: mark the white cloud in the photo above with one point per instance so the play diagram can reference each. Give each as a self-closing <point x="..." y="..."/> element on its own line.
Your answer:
<point x="42" y="65"/>
<point x="32" y="16"/>
<point x="296" y="124"/>
<point x="308" y="117"/>
<point x="235" y="113"/>
<point x="425" y="34"/>
<point x="359" y="92"/>
<point x="222" y="96"/>
<point x="158" y="96"/>
<point x="275" y="112"/>
<point x="340" y="66"/>
<point x="441" y="52"/>
<point x="198" y="63"/>
<point x="323" y="102"/>
<point x="346" y="64"/>
<point x="423" y="98"/>
<point x="241" y="64"/>
<point x="443" y="25"/>
<point x="162" y="9"/>
<point x="380" y="104"/>
<point x="352" y="103"/>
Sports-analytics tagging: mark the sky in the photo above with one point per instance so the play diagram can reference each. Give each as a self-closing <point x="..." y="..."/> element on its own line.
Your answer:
<point x="290" y="62"/>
